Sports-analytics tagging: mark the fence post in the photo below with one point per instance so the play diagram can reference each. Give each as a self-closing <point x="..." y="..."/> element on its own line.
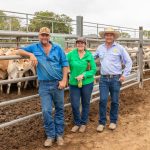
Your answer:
<point x="97" y="30"/>
<point x="141" y="56"/>
<point x="52" y="27"/>
<point x="79" y="25"/>
<point x="27" y="23"/>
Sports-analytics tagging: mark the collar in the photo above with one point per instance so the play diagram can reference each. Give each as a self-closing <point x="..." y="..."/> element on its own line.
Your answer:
<point x="114" y="44"/>
<point x="53" y="45"/>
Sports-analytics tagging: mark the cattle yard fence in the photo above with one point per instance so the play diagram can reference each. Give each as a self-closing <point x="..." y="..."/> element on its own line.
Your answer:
<point x="136" y="77"/>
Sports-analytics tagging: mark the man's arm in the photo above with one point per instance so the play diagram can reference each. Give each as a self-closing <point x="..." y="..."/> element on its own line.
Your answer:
<point x="65" y="64"/>
<point x="127" y="62"/>
<point x="63" y="82"/>
<point x="96" y="54"/>
<point x="27" y="54"/>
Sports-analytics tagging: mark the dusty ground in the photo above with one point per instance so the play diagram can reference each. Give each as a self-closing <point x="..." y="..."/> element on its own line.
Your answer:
<point x="133" y="132"/>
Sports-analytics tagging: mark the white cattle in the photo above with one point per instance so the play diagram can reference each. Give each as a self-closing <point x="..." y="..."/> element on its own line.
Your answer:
<point x="133" y="54"/>
<point x="147" y="57"/>
<point x="17" y="69"/>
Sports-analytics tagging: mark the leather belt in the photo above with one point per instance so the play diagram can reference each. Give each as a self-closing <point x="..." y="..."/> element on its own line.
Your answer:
<point x="111" y="76"/>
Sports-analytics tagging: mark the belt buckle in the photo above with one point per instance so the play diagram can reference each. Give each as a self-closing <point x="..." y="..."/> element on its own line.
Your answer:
<point x="111" y="76"/>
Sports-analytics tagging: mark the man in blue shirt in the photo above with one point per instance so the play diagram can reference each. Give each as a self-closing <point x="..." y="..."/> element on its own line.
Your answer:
<point x="52" y="69"/>
<point x="112" y="57"/>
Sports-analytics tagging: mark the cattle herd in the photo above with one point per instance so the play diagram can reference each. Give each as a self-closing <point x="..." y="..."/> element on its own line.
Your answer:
<point x="18" y="68"/>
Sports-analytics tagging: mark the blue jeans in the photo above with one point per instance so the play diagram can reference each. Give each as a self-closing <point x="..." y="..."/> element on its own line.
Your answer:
<point x="112" y="86"/>
<point x="85" y="94"/>
<point x="50" y="94"/>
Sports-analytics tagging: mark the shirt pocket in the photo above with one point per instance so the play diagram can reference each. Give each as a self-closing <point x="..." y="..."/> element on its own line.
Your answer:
<point x="101" y="55"/>
<point x="37" y="54"/>
<point x="115" y="56"/>
<point x="55" y="59"/>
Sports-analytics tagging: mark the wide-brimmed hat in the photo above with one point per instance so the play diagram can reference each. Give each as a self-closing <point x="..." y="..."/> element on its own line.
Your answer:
<point x="109" y="30"/>
<point x="81" y="39"/>
<point x="44" y="30"/>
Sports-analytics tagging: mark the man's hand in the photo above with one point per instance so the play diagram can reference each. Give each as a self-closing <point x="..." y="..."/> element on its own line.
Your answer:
<point x="33" y="59"/>
<point x="62" y="84"/>
<point x="80" y="77"/>
<point x="122" y="79"/>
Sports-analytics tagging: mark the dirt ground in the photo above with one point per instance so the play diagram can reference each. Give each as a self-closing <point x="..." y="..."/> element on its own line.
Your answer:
<point x="133" y="132"/>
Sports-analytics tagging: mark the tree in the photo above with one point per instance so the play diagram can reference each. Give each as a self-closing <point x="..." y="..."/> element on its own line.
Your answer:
<point x="9" y="23"/>
<point x="57" y="23"/>
<point x="2" y="20"/>
<point x="125" y="35"/>
<point x="146" y="34"/>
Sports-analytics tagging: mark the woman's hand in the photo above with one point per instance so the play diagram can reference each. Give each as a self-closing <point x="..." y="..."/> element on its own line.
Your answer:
<point x="80" y="77"/>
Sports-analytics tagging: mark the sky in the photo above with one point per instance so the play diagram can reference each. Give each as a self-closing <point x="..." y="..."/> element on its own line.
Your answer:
<point x="129" y="13"/>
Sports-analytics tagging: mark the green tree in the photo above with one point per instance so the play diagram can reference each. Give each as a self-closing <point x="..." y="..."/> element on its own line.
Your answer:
<point x="146" y="34"/>
<point x="8" y="22"/>
<point x="57" y="23"/>
<point x="2" y="20"/>
<point x="125" y="35"/>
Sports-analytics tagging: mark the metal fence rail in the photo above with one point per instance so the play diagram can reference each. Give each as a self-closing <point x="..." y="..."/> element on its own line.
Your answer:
<point x="133" y="79"/>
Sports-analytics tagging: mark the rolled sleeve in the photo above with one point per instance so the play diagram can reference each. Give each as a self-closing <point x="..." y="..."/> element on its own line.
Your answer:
<point x="28" y="48"/>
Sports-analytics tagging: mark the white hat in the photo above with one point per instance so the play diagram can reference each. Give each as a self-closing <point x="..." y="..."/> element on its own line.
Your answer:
<point x="109" y="30"/>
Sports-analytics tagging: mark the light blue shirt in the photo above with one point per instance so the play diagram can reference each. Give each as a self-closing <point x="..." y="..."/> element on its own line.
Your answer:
<point x="111" y="60"/>
<point x="49" y="66"/>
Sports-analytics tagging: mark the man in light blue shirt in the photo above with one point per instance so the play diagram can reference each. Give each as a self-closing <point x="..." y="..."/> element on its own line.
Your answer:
<point x="112" y="57"/>
<point x="52" y="70"/>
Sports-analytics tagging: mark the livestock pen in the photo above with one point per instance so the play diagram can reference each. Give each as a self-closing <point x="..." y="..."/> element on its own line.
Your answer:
<point x="136" y="77"/>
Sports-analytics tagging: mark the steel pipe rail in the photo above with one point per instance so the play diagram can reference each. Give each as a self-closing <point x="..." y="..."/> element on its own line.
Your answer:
<point x="2" y="82"/>
<point x="10" y="102"/>
<point x="130" y="80"/>
<point x="125" y="87"/>
<point x="3" y="125"/>
<point x="146" y="60"/>
<point x="136" y="67"/>
<point x="31" y="34"/>
<point x="112" y="26"/>
<point x="12" y="57"/>
<point x="147" y="79"/>
<point x="146" y="70"/>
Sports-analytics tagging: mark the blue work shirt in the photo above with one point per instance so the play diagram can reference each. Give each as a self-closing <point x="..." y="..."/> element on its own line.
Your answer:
<point x="111" y="60"/>
<point x="49" y="66"/>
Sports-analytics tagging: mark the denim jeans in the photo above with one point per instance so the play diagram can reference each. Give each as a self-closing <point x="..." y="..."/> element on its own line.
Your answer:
<point x="84" y="94"/>
<point x="112" y="86"/>
<point x="50" y="94"/>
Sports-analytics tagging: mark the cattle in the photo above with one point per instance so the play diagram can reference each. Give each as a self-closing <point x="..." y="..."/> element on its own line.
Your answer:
<point x="13" y="69"/>
<point x="19" y="68"/>
<point x="147" y="57"/>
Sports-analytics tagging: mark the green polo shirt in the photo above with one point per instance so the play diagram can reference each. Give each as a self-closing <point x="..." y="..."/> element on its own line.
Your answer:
<point x="79" y="66"/>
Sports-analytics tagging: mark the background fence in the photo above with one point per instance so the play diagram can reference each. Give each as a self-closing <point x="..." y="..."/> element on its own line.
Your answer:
<point x="90" y="31"/>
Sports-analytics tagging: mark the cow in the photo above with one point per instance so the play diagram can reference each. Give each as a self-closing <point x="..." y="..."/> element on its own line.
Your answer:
<point x="19" y="68"/>
<point x="13" y="69"/>
<point x="147" y="57"/>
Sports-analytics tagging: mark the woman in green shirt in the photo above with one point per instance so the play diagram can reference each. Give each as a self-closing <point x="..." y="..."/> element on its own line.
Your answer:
<point x="82" y="71"/>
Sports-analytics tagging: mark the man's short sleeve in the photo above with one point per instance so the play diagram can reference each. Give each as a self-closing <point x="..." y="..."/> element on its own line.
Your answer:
<point x="63" y="58"/>
<point x="28" y="48"/>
